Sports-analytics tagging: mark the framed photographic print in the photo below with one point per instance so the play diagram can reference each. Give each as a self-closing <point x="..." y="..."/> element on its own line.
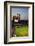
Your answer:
<point x="18" y="22"/>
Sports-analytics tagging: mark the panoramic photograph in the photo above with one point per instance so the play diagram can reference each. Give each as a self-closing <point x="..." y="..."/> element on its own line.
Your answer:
<point x="19" y="22"/>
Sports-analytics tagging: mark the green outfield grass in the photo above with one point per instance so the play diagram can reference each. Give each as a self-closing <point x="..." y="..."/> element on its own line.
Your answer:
<point x="21" y="31"/>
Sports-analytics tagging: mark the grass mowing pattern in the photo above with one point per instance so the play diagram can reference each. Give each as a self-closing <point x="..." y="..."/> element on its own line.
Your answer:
<point x="22" y="31"/>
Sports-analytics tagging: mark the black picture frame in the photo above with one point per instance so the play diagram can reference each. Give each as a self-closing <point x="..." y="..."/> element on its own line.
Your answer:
<point x="5" y="22"/>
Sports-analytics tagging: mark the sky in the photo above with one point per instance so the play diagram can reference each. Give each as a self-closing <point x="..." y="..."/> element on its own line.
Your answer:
<point x="22" y="11"/>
